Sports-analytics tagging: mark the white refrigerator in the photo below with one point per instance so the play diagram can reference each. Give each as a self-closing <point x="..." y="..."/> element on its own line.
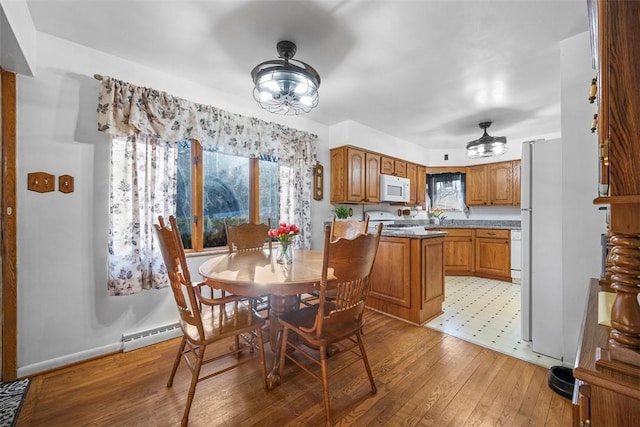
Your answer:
<point x="541" y="281"/>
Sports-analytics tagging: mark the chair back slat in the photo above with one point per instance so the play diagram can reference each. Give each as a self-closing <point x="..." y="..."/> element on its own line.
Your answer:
<point x="247" y="237"/>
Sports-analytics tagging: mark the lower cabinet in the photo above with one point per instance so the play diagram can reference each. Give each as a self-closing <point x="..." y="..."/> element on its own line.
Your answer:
<point x="483" y="252"/>
<point x="407" y="281"/>
<point x="458" y="251"/>
<point x="493" y="254"/>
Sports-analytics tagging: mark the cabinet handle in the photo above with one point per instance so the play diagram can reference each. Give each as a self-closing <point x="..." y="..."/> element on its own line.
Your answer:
<point x="491" y="234"/>
<point x="594" y="123"/>
<point x="593" y="89"/>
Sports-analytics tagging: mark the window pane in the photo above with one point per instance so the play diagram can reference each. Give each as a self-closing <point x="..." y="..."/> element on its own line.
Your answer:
<point x="225" y="194"/>
<point x="269" y="192"/>
<point x="447" y="191"/>
<point x="183" y="201"/>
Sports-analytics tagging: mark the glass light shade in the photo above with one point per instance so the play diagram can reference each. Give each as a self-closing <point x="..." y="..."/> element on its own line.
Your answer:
<point x="486" y="145"/>
<point x="288" y="90"/>
<point x="285" y="85"/>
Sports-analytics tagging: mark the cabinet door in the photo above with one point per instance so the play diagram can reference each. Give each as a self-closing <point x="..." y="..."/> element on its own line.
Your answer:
<point x="400" y="168"/>
<point x="338" y="175"/>
<point x="356" y="182"/>
<point x="493" y="254"/>
<point x="501" y="183"/>
<point x="477" y="185"/>
<point x="387" y="166"/>
<point x="421" y="186"/>
<point x="458" y="251"/>
<point x="432" y="280"/>
<point x="412" y="175"/>
<point x="516" y="182"/>
<point x="391" y="275"/>
<point x="372" y="178"/>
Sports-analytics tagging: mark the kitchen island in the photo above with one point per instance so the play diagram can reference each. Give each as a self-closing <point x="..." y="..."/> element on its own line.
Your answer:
<point x="408" y="275"/>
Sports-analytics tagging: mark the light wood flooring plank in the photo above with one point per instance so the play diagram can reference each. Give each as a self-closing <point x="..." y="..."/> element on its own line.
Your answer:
<point x="423" y="376"/>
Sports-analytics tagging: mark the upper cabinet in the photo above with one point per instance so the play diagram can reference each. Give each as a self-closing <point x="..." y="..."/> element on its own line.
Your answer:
<point x="355" y="176"/>
<point x="391" y="166"/>
<point x="495" y="184"/>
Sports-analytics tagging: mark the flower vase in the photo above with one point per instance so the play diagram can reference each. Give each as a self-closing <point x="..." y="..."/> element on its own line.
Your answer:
<point x="285" y="253"/>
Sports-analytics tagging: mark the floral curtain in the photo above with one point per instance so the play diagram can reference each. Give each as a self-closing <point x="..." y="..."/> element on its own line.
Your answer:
<point x="142" y="186"/>
<point x="142" y="114"/>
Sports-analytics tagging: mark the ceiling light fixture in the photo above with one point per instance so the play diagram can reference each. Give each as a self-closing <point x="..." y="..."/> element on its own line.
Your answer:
<point x="486" y="145"/>
<point x="285" y="86"/>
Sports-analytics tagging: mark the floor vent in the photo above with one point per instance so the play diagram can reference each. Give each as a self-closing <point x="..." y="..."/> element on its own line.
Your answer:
<point x="151" y="336"/>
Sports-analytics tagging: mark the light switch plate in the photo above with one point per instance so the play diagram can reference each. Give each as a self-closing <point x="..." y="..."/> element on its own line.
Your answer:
<point x="41" y="182"/>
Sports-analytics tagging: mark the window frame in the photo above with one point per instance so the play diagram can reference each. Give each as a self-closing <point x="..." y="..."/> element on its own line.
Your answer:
<point x="197" y="198"/>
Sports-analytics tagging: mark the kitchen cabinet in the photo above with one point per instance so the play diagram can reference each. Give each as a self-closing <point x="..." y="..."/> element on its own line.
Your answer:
<point x="391" y="166"/>
<point x="493" y="184"/>
<point x="421" y="186"/>
<point x="458" y="251"/>
<point x="412" y="174"/>
<point x="500" y="184"/>
<point x="355" y="176"/>
<point x="493" y="254"/>
<point x="407" y="281"/>
<point x="477" y="179"/>
<point x="516" y="182"/>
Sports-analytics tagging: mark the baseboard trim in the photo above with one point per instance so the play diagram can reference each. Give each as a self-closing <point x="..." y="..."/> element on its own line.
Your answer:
<point x="58" y="362"/>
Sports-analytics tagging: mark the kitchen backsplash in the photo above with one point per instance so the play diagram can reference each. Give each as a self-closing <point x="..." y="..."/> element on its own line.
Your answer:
<point x="492" y="213"/>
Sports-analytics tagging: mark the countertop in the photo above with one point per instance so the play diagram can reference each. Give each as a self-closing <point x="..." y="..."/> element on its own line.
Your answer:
<point x="413" y="234"/>
<point x="466" y="223"/>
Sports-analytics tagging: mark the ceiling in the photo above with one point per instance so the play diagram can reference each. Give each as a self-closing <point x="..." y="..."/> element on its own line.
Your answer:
<point x="424" y="71"/>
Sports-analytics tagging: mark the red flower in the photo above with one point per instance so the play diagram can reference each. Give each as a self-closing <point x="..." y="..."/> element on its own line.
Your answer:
<point x="285" y="232"/>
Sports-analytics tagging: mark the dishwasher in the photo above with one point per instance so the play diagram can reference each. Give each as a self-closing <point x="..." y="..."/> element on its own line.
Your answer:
<point x="516" y="255"/>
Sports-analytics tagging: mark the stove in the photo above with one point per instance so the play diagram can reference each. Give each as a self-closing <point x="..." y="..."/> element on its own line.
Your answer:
<point x="388" y="219"/>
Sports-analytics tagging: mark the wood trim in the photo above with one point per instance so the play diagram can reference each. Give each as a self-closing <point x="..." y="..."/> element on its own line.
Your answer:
<point x="254" y="190"/>
<point x="9" y="235"/>
<point x="197" y="230"/>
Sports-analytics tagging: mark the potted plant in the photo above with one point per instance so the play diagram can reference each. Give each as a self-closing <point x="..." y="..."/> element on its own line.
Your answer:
<point x="342" y="212"/>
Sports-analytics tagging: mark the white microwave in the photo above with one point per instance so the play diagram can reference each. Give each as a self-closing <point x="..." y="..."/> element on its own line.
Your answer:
<point x="394" y="188"/>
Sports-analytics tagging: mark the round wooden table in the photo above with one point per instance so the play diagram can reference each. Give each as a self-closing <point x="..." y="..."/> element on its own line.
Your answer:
<point x="256" y="273"/>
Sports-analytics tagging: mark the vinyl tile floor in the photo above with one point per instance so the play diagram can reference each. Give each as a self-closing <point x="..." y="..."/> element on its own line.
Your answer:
<point x="486" y="312"/>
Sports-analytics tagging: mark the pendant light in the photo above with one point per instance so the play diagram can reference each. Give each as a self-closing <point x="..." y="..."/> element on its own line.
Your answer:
<point x="286" y="85"/>
<point x="486" y="145"/>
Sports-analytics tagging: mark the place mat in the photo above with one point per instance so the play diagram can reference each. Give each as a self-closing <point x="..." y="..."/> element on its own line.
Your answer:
<point x="11" y="397"/>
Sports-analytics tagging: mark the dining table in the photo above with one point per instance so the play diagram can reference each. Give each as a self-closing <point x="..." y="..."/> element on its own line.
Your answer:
<point x="257" y="273"/>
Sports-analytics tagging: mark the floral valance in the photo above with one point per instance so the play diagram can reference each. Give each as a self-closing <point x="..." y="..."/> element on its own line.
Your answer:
<point x="128" y="110"/>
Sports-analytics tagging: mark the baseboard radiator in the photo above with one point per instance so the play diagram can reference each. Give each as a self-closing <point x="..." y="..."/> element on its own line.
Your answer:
<point x="150" y="336"/>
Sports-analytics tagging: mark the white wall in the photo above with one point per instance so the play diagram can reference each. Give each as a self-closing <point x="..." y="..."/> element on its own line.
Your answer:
<point x="64" y="311"/>
<point x="582" y="222"/>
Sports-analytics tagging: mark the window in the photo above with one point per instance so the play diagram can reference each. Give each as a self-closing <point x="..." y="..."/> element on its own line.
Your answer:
<point x="447" y="191"/>
<point x="212" y="186"/>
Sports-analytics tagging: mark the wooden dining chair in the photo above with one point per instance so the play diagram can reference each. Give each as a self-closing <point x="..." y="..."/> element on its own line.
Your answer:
<point x="250" y="237"/>
<point x="224" y="318"/>
<point x="333" y="323"/>
<point x="349" y="228"/>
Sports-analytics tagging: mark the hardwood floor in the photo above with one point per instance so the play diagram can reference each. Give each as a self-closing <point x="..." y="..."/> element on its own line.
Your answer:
<point x="423" y="377"/>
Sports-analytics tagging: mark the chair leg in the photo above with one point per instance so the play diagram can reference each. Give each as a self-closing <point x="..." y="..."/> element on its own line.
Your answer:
<point x="177" y="361"/>
<point x="195" y="375"/>
<point x="263" y="363"/>
<point x="374" y="390"/>
<point x="325" y="383"/>
<point x="283" y="350"/>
